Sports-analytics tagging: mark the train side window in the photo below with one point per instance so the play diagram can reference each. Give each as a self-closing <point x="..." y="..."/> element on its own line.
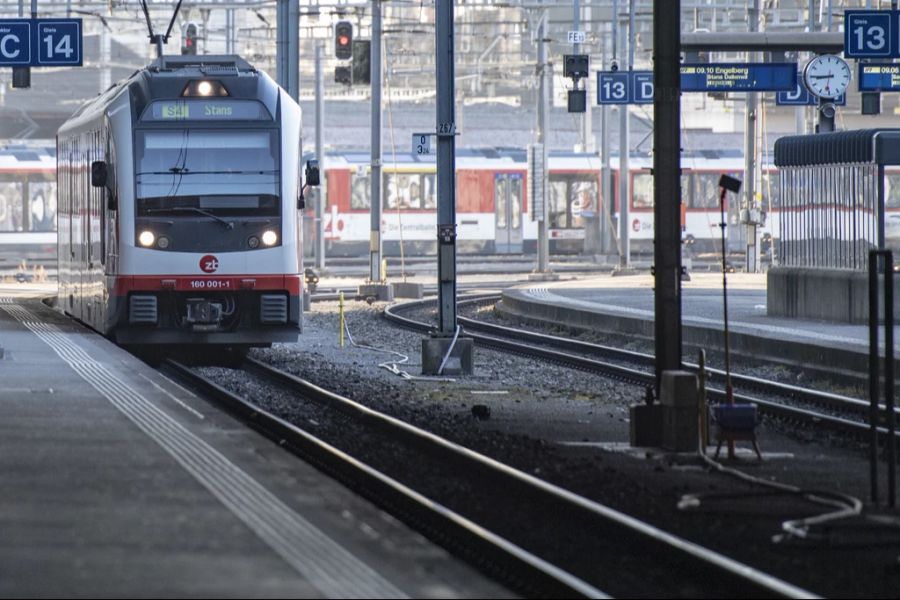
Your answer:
<point x="771" y="190"/>
<point x="500" y="199"/>
<point x="428" y="191"/>
<point x="706" y="191"/>
<point x="10" y="205"/>
<point x="402" y="190"/>
<point x="642" y="190"/>
<point x="42" y="205"/>
<point x="892" y="190"/>
<point x="359" y="192"/>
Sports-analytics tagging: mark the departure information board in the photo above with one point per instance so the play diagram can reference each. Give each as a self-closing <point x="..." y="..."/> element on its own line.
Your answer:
<point x="636" y="87"/>
<point x="879" y="77"/>
<point x="739" y="77"/>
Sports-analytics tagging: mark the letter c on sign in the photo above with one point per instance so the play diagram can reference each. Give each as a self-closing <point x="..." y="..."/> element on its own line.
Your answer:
<point x="3" y="42"/>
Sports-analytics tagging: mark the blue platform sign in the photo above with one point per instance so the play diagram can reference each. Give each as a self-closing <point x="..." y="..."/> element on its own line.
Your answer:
<point x="871" y="33"/>
<point x="58" y="43"/>
<point x="15" y="42"/>
<point x="613" y="87"/>
<point x="642" y="87"/>
<point x="801" y="96"/>
<point x="41" y="43"/>
<point x="739" y="77"/>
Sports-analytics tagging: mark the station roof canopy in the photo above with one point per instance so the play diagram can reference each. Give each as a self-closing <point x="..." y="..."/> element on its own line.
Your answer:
<point x="873" y="146"/>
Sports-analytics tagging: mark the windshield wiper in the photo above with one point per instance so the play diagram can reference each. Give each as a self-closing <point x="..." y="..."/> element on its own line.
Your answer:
<point x="227" y="224"/>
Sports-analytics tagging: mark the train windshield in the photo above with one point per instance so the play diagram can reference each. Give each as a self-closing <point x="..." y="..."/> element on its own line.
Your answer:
<point x="227" y="171"/>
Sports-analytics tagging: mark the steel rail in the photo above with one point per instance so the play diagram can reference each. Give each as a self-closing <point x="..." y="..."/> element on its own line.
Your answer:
<point x="546" y="578"/>
<point x="525" y="346"/>
<point x="509" y="561"/>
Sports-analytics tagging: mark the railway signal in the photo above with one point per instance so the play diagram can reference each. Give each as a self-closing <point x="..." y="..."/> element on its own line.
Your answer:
<point x="361" y="65"/>
<point x="343" y="40"/>
<point x="189" y="40"/>
<point x="342" y="75"/>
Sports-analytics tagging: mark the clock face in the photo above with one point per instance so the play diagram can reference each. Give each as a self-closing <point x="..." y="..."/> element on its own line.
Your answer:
<point x="827" y="76"/>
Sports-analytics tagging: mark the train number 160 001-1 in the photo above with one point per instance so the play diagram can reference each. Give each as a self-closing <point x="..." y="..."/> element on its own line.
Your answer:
<point x="210" y="284"/>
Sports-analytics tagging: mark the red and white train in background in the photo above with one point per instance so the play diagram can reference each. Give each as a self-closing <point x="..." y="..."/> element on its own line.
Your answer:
<point x="494" y="212"/>
<point x="27" y="203"/>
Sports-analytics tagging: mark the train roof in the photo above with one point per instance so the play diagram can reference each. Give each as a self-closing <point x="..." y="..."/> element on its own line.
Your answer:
<point x="167" y="77"/>
<point x="28" y="156"/>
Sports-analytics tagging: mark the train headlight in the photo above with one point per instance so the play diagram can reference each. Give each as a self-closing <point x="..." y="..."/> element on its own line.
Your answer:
<point x="163" y="242"/>
<point x="146" y="238"/>
<point x="253" y="242"/>
<point x="269" y="238"/>
<point x="204" y="88"/>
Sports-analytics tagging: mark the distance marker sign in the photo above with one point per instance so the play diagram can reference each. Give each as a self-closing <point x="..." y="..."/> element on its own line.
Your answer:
<point x="40" y="43"/>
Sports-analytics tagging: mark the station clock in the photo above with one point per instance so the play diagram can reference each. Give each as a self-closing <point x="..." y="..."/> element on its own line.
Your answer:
<point x="827" y="76"/>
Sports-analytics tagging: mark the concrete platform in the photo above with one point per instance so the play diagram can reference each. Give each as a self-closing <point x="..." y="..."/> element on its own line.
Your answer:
<point x="625" y="306"/>
<point x="117" y="482"/>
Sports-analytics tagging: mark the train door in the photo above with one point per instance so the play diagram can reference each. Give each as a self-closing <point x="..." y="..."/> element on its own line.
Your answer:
<point x="508" y="188"/>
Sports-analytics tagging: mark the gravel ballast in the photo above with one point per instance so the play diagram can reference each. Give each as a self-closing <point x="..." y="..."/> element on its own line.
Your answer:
<point x="569" y="427"/>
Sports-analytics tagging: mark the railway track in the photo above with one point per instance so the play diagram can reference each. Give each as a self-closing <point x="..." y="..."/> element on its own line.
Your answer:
<point x="789" y="402"/>
<point x="536" y="537"/>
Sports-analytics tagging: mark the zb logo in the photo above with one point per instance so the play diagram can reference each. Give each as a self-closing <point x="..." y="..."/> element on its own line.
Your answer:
<point x="209" y="264"/>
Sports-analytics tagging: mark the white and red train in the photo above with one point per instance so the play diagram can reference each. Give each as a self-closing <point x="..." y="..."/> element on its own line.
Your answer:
<point x="27" y="202"/>
<point x="493" y="209"/>
<point x="178" y="212"/>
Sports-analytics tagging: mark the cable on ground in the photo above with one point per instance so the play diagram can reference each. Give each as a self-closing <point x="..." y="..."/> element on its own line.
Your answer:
<point x="393" y="366"/>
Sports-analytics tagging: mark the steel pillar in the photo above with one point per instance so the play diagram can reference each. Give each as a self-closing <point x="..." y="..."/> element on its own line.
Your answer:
<point x="750" y="125"/>
<point x="446" y="168"/>
<point x="322" y="190"/>
<point x="667" y="185"/>
<point x="543" y="116"/>
<point x="375" y="172"/>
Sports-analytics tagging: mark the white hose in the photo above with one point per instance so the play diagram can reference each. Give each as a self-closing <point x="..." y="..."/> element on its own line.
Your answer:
<point x="847" y="506"/>
<point x="394" y="365"/>
<point x="449" y="351"/>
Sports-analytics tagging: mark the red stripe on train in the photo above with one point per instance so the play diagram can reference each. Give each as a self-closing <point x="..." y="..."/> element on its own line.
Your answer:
<point x="192" y="283"/>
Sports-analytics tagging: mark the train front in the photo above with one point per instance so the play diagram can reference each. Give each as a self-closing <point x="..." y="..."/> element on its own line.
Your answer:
<point x="212" y="252"/>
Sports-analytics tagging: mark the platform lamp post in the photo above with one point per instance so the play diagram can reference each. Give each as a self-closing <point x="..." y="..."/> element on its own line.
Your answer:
<point x="446" y="351"/>
<point x="726" y="184"/>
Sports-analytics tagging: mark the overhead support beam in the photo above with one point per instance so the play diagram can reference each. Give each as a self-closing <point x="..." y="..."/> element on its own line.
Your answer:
<point x="820" y="42"/>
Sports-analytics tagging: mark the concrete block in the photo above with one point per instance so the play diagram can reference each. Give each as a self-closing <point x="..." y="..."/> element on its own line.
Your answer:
<point x="307" y="301"/>
<point x="678" y="389"/>
<point x="380" y="292"/>
<point x="408" y="290"/>
<point x="547" y="276"/>
<point x="681" y="429"/>
<point x="646" y="425"/>
<point x="460" y="362"/>
<point x="623" y="271"/>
